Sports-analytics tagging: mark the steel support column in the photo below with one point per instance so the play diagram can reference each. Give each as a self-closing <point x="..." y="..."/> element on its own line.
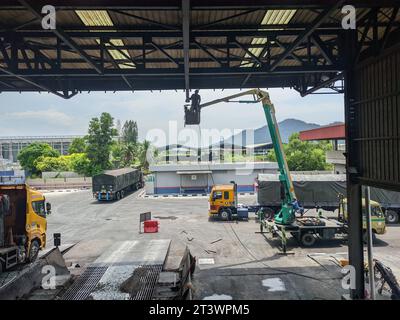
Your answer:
<point x="355" y="231"/>
<point x="186" y="43"/>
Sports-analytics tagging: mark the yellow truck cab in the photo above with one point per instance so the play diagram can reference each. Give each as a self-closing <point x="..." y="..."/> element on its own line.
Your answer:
<point x="378" y="222"/>
<point x="23" y="224"/>
<point x="223" y="201"/>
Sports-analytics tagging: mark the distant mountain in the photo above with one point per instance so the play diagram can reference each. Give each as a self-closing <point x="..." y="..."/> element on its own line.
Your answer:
<point x="261" y="135"/>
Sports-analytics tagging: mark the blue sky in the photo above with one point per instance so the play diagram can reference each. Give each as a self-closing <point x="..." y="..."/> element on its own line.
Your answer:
<point x="45" y="114"/>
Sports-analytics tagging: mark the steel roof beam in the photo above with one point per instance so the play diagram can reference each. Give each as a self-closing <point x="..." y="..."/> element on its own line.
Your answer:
<point x="113" y="62"/>
<point x="292" y="54"/>
<point x="121" y="52"/>
<point x="306" y="33"/>
<point x="64" y="37"/>
<point x="180" y="71"/>
<point x="163" y="25"/>
<point x="323" y="49"/>
<point x="254" y="57"/>
<point x="165" y="53"/>
<point x="205" y="50"/>
<point x="33" y="83"/>
<point x="202" y="26"/>
<point x="388" y="29"/>
<point x="323" y="84"/>
<point x="122" y="34"/>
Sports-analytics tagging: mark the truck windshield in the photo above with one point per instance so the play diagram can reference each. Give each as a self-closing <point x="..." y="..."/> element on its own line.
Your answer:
<point x="38" y="207"/>
<point x="217" y="195"/>
<point x="376" y="211"/>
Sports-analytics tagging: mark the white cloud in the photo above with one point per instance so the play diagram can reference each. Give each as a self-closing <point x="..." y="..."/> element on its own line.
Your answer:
<point x="49" y="115"/>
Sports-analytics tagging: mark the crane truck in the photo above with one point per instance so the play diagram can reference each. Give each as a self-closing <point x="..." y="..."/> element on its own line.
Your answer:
<point x="23" y="223"/>
<point x="286" y="214"/>
<point x="289" y="218"/>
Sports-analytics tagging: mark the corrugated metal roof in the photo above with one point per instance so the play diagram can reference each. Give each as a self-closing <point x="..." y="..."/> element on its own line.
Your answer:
<point x="243" y="20"/>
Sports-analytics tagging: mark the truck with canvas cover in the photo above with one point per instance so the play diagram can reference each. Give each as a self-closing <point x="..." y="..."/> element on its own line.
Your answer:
<point x="320" y="191"/>
<point x="114" y="184"/>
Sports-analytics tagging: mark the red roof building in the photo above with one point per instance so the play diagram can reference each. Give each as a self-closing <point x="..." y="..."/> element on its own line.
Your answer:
<point x="331" y="132"/>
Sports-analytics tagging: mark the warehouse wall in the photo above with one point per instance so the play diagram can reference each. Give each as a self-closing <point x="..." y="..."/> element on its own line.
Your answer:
<point x="169" y="182"/>
<point x="377" y="117"/>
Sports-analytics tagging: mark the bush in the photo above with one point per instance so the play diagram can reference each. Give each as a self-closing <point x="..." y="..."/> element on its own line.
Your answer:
<point x="31" y="153"/>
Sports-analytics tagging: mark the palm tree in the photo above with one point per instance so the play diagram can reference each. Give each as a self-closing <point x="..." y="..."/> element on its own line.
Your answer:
<point x="143" y="155"/>
<point x="128" y="153"/>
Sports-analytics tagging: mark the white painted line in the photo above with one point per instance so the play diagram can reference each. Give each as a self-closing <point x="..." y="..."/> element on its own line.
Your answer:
<point x="218" y="297"/>
<point x="206" y="261"/>
<point x="274" y="284"/>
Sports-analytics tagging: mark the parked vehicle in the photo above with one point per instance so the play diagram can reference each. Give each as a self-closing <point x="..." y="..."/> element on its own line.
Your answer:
<point x="321" y="191"/>
<point x="23" y="224"/>
<point x="114" y="184"/>
<point x="378" y="224"/>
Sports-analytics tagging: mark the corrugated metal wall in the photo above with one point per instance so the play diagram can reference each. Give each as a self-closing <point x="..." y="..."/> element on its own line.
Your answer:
<point x="377" y="115"/>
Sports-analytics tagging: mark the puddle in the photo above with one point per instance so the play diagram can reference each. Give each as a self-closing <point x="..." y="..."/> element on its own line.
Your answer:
<point x="274" y="284"/>
<point x="218" y="297"/>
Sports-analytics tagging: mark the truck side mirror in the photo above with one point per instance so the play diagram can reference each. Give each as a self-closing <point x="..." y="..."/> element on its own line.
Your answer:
<point x="48" y="208"/>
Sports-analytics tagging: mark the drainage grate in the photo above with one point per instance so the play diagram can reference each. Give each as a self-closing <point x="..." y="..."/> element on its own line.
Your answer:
<point x="147" y="278"/>
<point x="85" y="284"/>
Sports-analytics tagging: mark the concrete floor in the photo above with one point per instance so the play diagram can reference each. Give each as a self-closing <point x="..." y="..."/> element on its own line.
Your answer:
<point x="242" y="265"/>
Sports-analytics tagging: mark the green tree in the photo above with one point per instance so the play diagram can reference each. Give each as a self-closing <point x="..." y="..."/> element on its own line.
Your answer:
<point x="304" y="155"/>
<point x="78" y="145"/>
<point x="99" y="141"/>
<point x="45" y="163"/>
<point x="130" y="132"/>
<point x="81" y="164"/>
<point x="144" y="154"/>
<point x="117" y="155"/>
<point x="29" y="154"/>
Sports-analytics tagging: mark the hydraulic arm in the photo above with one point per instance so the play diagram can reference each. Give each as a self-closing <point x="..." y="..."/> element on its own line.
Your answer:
<point x="289" y="203"/>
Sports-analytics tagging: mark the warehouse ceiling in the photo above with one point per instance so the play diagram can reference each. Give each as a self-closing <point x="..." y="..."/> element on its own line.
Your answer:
<point x="156" y="45"/>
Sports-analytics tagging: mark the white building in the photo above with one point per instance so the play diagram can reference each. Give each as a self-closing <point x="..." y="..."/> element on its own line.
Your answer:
<point x="11" y="146"/>
<point x="200" y="177"/>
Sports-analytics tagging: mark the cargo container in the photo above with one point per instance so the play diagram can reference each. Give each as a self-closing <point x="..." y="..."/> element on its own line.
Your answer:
<point x="114" y="184"/>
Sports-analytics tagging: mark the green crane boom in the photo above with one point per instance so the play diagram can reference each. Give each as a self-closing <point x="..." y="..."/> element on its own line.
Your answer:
<point x="286" y="215"/>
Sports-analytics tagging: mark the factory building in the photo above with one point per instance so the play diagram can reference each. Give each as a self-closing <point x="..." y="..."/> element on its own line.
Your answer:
<point x="11" y="146"/>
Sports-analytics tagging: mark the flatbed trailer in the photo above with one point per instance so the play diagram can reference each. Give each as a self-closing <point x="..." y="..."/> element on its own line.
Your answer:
<point x="306" y="230"/>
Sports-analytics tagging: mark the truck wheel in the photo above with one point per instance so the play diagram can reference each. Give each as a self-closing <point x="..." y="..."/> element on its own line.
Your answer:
<point x="308" y="239"/>
<point x="225" y="214"/>
<point x="118" y="195"/>
<point x="392" y="216"/>
<point x="34" y="251"/>
<point x="122" y="194"/>
<point x="268" y="213"/>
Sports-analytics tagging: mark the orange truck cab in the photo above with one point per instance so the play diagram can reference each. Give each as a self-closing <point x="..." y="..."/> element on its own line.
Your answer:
<point x="23" y="224"/>
<point x="223" y="201"/>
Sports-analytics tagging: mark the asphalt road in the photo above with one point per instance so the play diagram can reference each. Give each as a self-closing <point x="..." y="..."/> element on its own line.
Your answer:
<point x="241" y="257"/>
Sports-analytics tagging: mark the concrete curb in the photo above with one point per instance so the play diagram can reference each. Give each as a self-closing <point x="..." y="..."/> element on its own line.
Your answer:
<point x="198" y="195"/>
<point x="61" y="190"/>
